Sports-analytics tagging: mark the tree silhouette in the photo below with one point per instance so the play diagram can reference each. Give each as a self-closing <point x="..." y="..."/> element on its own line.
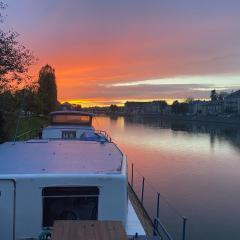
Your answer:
<point x="214" y="95"/>
<point x="47" y="91"/>
<point x="14" y="57"/>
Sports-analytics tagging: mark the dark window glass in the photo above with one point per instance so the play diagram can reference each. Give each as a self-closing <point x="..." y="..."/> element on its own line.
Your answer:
<point x="68" y="134"/>
<point x="73" y="203"/>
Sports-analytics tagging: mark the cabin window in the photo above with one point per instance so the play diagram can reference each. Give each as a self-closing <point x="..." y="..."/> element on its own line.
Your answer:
<point x="69" y="203"/>
<point x="68" y="134"/>
<point x="72" y="119"/>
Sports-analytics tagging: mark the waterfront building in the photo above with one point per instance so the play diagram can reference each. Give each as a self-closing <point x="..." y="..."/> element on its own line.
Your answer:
<point x="196" y="107"/>
<point x="232" y="103"/>
<point x="213" y="107"/>
<point x="154" y="107"/>
<point x="206" y="107"/>
<point x="134" y="108"/>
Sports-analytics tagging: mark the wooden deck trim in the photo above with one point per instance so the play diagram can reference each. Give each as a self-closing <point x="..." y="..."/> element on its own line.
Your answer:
<point x="88" y="230"/>
<point x="141" y="212"/>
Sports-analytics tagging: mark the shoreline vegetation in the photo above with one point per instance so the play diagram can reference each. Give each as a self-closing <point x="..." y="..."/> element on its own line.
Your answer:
<point x="23" y="99"/>
<point x="207" y="119"/>
<point x="204" y="119"/>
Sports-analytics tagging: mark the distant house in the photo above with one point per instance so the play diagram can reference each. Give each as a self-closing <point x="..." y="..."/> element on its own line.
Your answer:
<point x="214" y="107"/>
<point x="154" y="107"/>
<point x="206" y="107"/>
<point x="196" y="107"/>
<point x="232" y="103"/>
<point x="134" y="108"/>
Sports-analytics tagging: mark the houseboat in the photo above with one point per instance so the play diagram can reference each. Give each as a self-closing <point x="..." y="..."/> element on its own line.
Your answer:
<point x="72" y="173"/>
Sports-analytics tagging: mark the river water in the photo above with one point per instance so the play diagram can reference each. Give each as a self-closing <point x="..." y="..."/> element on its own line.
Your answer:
<point x="194" y="166"/>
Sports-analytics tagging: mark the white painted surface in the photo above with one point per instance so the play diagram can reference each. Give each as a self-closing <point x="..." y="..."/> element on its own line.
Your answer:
<point x="29" y="208"/>
<point x="6" y="209"/>
<point x="55" y="131"/>
<point x="59" y="157"/>
<point x="133" y="224"/>
<point x="37" y="164"/>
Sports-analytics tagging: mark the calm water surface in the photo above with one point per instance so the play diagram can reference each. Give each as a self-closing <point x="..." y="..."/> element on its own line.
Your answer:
<point x="195" y="167"/>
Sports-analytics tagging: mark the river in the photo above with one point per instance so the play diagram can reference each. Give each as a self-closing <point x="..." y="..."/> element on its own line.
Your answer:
<point x="194" y="166"/>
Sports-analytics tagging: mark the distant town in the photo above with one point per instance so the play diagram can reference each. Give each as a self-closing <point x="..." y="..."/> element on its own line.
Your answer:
<point x="223" y="105"/>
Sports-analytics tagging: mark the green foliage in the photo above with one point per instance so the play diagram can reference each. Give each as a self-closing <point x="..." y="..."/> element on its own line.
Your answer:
<point x="47" y="91"/>
<point x="31" y="123"/>
<point x="28" y="100"/>
<point x="179" y="108"/>
<point x="7" y="125"/>
<point x="214" y="95"/>
<point x="217" y="96"/>
<point x="2" y="133"/>
<point x="26" y="123"/>
<point x="189" y="100"/>
<point x="113" y="108"/>
<point x="15" y="58"/>
<point x="8" y="102"/>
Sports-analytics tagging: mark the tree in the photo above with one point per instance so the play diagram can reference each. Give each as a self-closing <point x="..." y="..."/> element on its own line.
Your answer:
<point x="47" y="91"/>
<point x="189" y="100"/>
<point x="214" y="95"/>
<point x="27" y="99"/>
<point x="175" y="106"/>
<point x="179" y="108"/>
<point x="15" y="58"/>
<point x="113" y="109"/>
<point x="7" y="102"/>
<point x="2" y="132"/>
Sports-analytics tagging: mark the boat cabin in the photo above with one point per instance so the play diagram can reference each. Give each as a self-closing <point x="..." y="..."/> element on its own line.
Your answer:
<point x="43" y="181"/>
<point x="74" y="125"/>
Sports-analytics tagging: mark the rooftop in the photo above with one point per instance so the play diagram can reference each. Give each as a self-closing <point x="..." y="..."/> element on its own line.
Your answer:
<point x="59" y="157"/>
<point x="234" y="95"/>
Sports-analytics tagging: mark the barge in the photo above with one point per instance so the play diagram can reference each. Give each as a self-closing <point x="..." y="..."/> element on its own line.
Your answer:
<point x="72" y="173"/>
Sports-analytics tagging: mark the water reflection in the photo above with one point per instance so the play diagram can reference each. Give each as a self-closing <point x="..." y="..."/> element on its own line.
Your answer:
<point x="216" y="131"/>
<point x="196" y="165"/>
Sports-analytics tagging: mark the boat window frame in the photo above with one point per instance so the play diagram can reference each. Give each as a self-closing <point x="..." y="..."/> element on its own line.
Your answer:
<point x="68" y="191"/>
<point x="66" y="115"/>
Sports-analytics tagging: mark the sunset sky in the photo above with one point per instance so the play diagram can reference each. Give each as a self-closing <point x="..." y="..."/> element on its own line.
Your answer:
<point x="109" y="51"/>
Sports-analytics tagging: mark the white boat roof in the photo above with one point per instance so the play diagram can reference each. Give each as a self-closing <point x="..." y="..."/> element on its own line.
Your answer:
<point x="59" y="157"/>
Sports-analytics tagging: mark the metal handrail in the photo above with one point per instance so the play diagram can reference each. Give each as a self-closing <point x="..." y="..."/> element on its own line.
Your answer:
<point x="156" y="232"/>
<point x="105" y="134"/>
<point x="156" y="220"/>
<point x="27" y="135"/>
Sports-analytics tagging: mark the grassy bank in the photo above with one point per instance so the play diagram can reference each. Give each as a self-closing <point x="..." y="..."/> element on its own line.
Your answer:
<point x="27" y="124"/>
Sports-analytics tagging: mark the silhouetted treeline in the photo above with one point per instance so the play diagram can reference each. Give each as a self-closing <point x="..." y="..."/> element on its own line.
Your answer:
<point x="38" y="98"/>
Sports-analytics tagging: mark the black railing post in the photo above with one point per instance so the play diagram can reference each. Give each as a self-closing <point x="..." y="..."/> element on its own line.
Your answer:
<point x="158" y="203"/>
<point x="184" y="228"/>
<point x="132" y="177"/>
<point x="154" y="227"/>
<point x="143" y="182"/>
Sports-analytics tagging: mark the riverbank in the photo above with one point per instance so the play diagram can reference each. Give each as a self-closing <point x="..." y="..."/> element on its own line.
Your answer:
<point x="199" y="118"/>
<point x="28" y="123"/>
<point x="208" y="119"/>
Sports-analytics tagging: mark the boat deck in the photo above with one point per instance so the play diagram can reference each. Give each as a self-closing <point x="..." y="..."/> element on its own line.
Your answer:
<point x="88" y="230"/>
<point x="60" y="157"/>
<point x="141" y="213"/>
